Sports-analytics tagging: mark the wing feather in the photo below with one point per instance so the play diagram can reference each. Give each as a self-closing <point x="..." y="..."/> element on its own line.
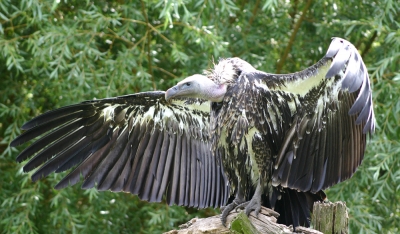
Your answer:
<point x="151" y="175"/>
<point x="44" y="141"/>
<point x="188" y="179"/>
<point x="174" y="189"/>
<point x="131" y="185"/>
<point x="196" y="162"/>
<point x="208" y="173"/>
<point x="118" y="157"/>
<point x="60" y="115"/>
<point x="341" y="58"/>
<point x="46" y="126"/>
<point x="203" y="169"/>
<point x="182" y="176"/>
<point x="84" y="169"/>
<point x="146" y="157"/>
<point x="212" y="184"/>
<point x="160" y="168"/>
<point x="320" y="169"/>
<point x="134" y="139"/>
<point x="351" y="77"/>
<point x="168" y="169"/>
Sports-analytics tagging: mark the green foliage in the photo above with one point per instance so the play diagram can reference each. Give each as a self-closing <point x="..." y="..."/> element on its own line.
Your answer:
<point x="59" y="52"/>
<point x="241" y="224"/>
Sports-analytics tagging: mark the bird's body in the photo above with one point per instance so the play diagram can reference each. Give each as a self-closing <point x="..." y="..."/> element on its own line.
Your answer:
<point x="235" y="131"/>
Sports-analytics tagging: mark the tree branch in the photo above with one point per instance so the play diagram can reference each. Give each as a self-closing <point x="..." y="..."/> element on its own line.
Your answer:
<point x="292" y="37"/>
<point x="148" y="45"/>
<point x="254" y="14"/>
<point x="294" y="12"/>
<point x="369" y="44"/>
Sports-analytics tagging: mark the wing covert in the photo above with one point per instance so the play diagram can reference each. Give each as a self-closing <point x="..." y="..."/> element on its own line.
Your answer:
<point x="135" y="143"/>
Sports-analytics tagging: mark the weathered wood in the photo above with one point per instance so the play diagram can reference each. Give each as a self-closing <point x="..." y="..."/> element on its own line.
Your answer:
<point x="330" y="217"/>
<point x="240" y="223"/>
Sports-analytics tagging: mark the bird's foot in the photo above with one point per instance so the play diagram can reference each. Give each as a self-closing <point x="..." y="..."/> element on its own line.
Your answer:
<point x="228" y="208"/>
<point x="253" y="205"/>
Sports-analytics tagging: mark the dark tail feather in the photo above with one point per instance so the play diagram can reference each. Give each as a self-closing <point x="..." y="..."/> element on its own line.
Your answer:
<point x="294" y="207"/>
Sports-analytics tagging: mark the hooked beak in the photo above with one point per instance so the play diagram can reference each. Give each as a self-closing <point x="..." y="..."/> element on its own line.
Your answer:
<point x="171" y="93"/>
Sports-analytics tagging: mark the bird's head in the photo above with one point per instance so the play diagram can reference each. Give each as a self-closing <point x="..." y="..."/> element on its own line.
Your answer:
<point x="197" y="86"/>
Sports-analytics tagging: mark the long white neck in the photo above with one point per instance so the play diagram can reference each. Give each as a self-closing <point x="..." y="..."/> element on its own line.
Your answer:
<point x="197" y="86"/>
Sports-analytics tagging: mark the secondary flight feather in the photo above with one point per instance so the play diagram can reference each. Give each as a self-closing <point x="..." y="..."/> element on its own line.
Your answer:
<point x="234" y="131"/>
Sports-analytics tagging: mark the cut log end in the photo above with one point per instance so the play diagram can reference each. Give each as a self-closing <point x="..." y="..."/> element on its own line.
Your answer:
<point x="330" y="217"/>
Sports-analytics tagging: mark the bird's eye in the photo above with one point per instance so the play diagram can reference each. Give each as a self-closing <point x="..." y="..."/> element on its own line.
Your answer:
<point x="188" y="84"/>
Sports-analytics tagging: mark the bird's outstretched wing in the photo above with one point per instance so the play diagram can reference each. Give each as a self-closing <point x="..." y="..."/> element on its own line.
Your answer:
<point x="136" y="143"/>
<point x="330" y="109"/>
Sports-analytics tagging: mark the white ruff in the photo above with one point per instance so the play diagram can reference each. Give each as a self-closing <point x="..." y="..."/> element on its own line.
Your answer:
<point x="223" y="72"/>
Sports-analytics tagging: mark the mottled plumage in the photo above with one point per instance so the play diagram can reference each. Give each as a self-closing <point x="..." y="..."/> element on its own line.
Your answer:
<point x="273" y="140"/>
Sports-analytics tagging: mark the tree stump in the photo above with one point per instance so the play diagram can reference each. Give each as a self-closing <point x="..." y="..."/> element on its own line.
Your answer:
<point x="325" y="216"/>
<point x="330" y="218"/>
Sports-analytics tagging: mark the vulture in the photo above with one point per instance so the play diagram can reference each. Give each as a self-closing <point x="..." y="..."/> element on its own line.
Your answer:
<point x="235" y="137"/>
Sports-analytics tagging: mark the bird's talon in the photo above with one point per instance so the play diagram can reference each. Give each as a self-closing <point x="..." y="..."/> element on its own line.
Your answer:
<point x="222" y="208"/>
